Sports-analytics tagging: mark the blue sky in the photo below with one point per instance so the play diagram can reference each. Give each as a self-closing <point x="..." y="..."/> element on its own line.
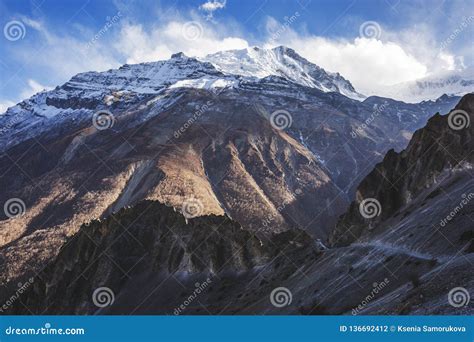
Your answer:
<point x="372" y="43"/>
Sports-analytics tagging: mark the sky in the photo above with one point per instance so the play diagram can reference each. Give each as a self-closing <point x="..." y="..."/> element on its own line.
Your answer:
<point x="371" y="43"/>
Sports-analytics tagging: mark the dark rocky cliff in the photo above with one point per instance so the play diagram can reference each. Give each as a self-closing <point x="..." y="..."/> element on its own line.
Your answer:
<point x="435" y="154"/>
<point x="136" y="250"/>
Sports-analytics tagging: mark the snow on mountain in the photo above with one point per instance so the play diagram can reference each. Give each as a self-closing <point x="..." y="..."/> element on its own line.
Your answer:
<point x="284" y="62"/>
<point x="88" y="92"/>
<point x="432" y="87"/>
<point x="276" y="70"/>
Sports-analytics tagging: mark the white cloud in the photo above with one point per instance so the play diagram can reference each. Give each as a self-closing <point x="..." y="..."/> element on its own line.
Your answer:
<point x="139" y="45"/>
<point x="4" y="104"/>
<point x="36" y="24"/>
<point x="59" y="57"/>
<point x="63" y="56"/>
<point x="211" y="6"/>
<point x="367" y="63"/>
<point x="33" y="88"/>
<point x="373" y="63"/>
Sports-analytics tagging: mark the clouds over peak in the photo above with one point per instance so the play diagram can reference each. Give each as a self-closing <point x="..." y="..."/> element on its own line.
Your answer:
<point x="376" y="57"/>
<point x="366" y="62"/>
<point x="194" y="38"/>
<point x="381" y="56"/>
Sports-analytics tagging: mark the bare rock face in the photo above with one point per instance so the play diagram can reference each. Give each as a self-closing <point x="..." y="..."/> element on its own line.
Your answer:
<point x="231" y="161"/>
<point x="148" y="257"/>
<point x="274" y="153"/>
<point x="437" y="161"/>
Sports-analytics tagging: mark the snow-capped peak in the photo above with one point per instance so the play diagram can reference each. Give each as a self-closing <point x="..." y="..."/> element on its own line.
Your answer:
<point x="284" y="62"/>
<point x="87" y="92"/>
<point x="432" y="87"/>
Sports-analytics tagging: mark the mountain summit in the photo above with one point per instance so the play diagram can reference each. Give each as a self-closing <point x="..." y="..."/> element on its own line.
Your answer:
<point x="283" y="62"/>
<point x="264" y="146"/>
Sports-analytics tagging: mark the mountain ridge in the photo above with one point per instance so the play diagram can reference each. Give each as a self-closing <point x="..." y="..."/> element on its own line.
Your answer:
<point x="394" y="267"/>
<point x="215" y="146"/>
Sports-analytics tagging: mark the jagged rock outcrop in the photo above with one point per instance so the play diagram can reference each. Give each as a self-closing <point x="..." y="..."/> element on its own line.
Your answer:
<point x="438" y="159"/>
<point x="136" y="250"/>
<point x="188" y="130"/>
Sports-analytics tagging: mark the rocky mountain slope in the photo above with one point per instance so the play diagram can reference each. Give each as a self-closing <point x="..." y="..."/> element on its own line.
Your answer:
<point x="284" y="62"/>
<point x="272" y="152"/>
<point x="150" y="248"/>
<point x="437" y="157"/>
<point x="402" y="257"/>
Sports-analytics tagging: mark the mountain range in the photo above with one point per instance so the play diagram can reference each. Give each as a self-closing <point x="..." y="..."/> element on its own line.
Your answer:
<point x="433" y="86"/>
<point x="245" y="167"/>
